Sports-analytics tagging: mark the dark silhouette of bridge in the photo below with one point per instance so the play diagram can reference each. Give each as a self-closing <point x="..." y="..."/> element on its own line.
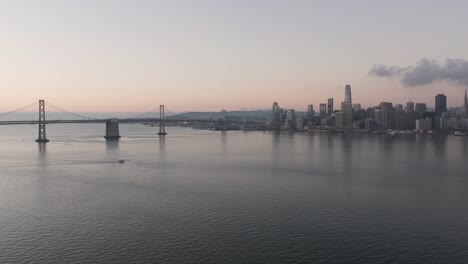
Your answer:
<point x="38" y="117"/>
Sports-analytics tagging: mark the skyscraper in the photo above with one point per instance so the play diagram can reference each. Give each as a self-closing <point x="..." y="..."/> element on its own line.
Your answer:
<point x="412" y="117"/>
<point x="420" y="107"/>
<point x="466" y="105"/>
<point x="387" y="115"/>
<point x="370" y="112"/>
<point x="290" y="122"/>
<point x="323" y="110"/>
<point x="347" y="110"/>
<point x="401" y="119"/>
<point x="440" y="104"/>
<point x="310" y="112"/>
<point x="339" y="119"/>
<point x="275" y="116"/>
<point x="409" y="106"/>
<point x="356" y="107"/>
<point x="330" y="107"/>
<point x="348" y="94"/>
<point x="378" y="115"/>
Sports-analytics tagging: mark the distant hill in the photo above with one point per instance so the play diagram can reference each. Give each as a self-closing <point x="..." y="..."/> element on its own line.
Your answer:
<point x="240" y="115"/>
<point x="258" y="115"/>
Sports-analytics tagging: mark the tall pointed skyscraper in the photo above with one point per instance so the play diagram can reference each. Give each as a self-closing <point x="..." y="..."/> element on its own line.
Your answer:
<point x="466" y="105"/>
<point x="347" y="95"/>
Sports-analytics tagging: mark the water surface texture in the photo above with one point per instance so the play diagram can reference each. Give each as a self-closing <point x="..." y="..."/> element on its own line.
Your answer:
<point x="241" y="197"/>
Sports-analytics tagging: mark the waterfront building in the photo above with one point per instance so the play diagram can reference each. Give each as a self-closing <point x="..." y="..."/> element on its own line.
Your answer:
<point x="290" y="121"/>
<point x="370" y="112"/>
<point x="331" y="120"/>
<point x="387" y="115"/>
<point x="424" y="124"/>
<point x="401" y="119"/>
<point x="431" y="116"/>
<point x="301" y="123"/>
<point x="451" y="123"/>
<point x="356" y="108"/>
<point x="463" y="123"/>
<point x="347" y="110"/>
<point x="438" y="123"/>
<point x="412" y="117"/>
<point x="378" y="116"/>
<point x="323" y="122"/>
<point x="359" y="124"/>
<point x="443" y="123"/>
<point x="339" y="119"/>
<point x="360" y="114"/>
<point x="371" y="124"/>
<point x="440" y="104"/>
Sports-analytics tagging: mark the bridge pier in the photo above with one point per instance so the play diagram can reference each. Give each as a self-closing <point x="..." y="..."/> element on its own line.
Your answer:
<point x="162" y="121"/>
<point x="223" y="116"/>
<point x="41" y="138"/>
<point x="112" y="129"/>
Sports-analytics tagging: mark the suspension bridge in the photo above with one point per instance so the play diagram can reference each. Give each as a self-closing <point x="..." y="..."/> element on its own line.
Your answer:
<point x="36" y="114"/>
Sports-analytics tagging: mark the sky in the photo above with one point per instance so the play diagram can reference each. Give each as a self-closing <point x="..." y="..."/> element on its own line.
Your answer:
<point x="208" y="55"/>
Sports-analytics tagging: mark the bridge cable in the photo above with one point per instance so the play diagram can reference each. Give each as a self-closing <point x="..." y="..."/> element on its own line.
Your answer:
<point x="70" y="113"/>
<point x="152" y="111"/>
<point x="18" y="110"/>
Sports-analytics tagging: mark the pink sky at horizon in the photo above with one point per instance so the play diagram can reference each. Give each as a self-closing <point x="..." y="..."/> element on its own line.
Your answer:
<point x="119" y="103"/>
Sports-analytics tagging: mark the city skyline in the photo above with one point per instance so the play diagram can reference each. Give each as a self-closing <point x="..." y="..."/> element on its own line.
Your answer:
<point x="384" y="118"/>
<point x="212" y="55"/>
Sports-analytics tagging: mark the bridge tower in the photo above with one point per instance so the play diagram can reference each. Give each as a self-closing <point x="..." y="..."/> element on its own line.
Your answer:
<point x="42" y="123"/>
<point x="162" y="121"/>
<point x="223" y="117"/>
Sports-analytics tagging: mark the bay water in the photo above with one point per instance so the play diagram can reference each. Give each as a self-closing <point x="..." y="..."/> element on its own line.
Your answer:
<point x="199" y="196"/>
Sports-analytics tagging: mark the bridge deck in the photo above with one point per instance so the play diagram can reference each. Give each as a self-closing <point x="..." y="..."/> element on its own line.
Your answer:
<point x="128" y="120"/>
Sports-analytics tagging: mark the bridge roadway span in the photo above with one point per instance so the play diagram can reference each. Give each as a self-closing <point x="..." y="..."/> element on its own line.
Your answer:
<point x="127" y="120"/>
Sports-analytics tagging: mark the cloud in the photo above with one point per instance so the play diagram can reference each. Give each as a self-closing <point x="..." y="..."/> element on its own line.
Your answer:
<point x="456" y="70"/>
<point x="381" y="70"/>
<point x="425" y="72"/>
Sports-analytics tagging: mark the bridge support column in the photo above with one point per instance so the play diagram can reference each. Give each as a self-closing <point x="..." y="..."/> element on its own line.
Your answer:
<point x="162" y="121"/>
<point x="223" y="116"/>
<point x="112" y="129"/>
<point x="42" y="123"/>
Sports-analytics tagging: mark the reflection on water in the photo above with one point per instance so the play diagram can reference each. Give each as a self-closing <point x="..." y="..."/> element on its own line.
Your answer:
<point x="162" y="148"/>
<point x="42" y="147"/>
<point x="112" y="148"/>
<point x="223" y="143"/>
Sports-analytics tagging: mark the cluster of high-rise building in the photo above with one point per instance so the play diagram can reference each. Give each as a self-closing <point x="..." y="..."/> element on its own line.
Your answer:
<point x="283" y="119"/>
<point x="385" y="116"/>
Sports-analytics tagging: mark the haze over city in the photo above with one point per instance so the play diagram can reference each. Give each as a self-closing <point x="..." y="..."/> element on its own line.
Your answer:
<point x="212" y="55"/>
